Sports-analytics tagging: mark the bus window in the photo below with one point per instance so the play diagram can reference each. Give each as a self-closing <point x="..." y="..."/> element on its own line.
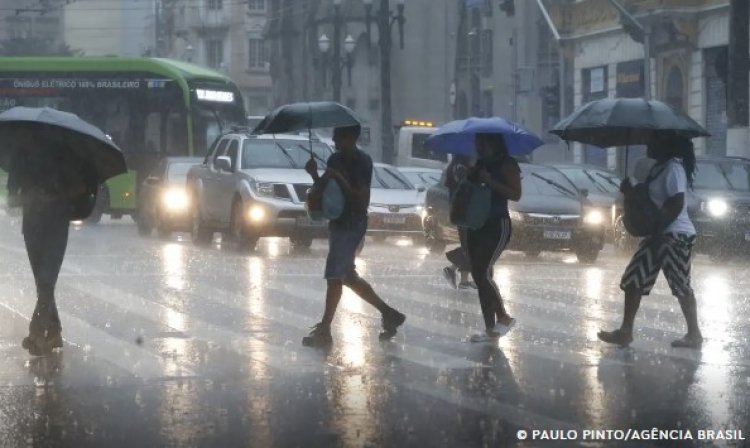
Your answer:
<point x="419" y="150"/>
<point x="153" y="132"/>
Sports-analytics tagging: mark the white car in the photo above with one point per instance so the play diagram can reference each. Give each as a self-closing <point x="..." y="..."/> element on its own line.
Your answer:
<point x="395" y="205"/>
<point x="421" y="177"/>
<point x="250" y="187"/>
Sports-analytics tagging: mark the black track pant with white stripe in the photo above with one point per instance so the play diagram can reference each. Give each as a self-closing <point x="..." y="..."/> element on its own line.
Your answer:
<point x="670" y="253"/>
<point x="484" y="247"/>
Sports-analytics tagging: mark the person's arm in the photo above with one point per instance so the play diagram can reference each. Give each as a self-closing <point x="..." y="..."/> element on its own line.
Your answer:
<point x="676" y="187"/>
<point x="509" y="187"/>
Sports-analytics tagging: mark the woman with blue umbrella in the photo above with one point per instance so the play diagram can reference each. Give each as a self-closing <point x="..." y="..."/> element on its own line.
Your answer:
<point x="494" y="141"/>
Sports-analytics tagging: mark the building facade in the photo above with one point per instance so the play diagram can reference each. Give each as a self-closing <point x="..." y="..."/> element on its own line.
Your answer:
<point x="32" y="20"/>
<point x="111" y="28"/>
<point x="689" y="63"/>
<point x="225" y="35"/>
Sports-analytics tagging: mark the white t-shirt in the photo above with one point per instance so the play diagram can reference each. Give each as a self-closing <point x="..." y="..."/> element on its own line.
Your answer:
<point x="671" y="181"/>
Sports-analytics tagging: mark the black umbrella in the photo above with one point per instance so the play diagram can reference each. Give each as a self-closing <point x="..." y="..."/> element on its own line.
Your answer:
<point x="306" y="116"/>
<point x="625" y="121"/>
<point x="50" y="128"/>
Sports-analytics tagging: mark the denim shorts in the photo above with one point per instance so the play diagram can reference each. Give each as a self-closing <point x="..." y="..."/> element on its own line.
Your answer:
<point x="344" y="240"/>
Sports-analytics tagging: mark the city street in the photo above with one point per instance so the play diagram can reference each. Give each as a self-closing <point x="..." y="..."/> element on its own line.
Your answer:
<point x="168" y="344"/>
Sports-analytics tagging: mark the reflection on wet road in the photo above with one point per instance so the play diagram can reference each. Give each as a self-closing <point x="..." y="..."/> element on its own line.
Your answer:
<point x="169" y="344"/>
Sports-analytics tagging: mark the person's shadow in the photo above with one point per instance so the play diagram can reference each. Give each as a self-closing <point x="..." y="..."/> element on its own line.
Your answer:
<point x="46" y="369"/>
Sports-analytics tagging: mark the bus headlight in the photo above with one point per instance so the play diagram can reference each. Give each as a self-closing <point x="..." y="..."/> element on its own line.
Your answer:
<point x="594" y="217"/>
<point x="256" y="214"/>
<point x="176" y="199"/>
<point x="717" y="208"/>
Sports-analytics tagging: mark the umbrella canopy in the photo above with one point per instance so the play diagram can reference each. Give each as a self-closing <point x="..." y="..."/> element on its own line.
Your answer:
<point x="625" y="121"/>
<point x="457" y="137"/>
<point x="54" y="129"/>
<point x="305" y="116"/>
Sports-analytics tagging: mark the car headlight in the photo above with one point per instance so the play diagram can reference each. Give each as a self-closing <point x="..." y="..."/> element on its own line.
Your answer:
<point x="265" y="189"/>
<point x="594" y="217"/>
<point x="516" y="216"/>
<point x="716" y="207"/>
<point x="256" y="213"/>
<point x="176" y="199"/>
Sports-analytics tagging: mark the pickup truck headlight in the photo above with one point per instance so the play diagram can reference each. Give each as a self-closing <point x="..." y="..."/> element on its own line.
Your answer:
<point x="175" y="199"/>
<point x="516" y="216"/>
<point x="717" y="208"/>
<point x="593" y="217"/>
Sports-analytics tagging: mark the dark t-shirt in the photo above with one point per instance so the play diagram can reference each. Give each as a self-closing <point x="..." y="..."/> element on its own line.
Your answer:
<point x="495" y="167"/>
<point x="356" y="168"/>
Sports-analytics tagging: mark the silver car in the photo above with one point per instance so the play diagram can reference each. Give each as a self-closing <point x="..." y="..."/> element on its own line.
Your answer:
<point x="396" y="206"/>
<point x="250" y="187"/>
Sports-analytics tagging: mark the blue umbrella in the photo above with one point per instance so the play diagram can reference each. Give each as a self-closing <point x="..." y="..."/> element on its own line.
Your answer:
<point x="457" y="137"/>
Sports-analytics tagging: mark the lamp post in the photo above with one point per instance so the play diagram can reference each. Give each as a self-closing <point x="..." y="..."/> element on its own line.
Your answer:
<point x="189" y="52"/>
<point x="385" y="19"/>
<point x="337" y="63"/>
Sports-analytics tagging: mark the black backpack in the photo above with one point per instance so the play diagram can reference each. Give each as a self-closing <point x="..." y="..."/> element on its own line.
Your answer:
<point x="640" y="214"/>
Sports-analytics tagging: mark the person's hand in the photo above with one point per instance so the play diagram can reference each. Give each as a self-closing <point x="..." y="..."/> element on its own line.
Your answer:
<point x="312" y="168"/>
<point x="626" y="186"/>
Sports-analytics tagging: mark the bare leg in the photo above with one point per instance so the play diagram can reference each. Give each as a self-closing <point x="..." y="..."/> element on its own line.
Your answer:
<point x="624" y="335"/>
<point x="366" y="293"/>
<point x="333" y="297"/>
<point x="694" y="338"/>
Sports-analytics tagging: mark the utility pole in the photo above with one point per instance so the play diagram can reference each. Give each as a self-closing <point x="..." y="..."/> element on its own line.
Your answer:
<point x="639" y="33"/>
<point x="737" y="89"/>
<point x="385" y="20"/>
<point x="336" y="51"/>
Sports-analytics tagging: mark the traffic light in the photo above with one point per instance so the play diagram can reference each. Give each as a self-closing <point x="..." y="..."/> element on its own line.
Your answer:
<point x="508" y="7"/>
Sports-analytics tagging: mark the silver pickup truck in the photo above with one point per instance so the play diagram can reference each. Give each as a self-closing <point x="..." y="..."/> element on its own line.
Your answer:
<point x="250" y="187"/>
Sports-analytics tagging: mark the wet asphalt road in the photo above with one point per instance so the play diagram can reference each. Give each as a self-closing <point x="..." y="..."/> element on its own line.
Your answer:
<point x="172" y="345"/>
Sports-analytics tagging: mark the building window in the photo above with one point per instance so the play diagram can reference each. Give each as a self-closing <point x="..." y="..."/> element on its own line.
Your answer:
<point x="215" y="5"/>
<point x="215" y="53"/>
<point x="257" y="54"/>
<point x="18" y="27"/>
<point x="256" y="5"/>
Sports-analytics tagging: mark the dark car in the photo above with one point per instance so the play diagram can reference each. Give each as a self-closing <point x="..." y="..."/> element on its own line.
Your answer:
<point x="600" y="186"/>
<point x="163" y="202"/>
<point x="551" y="216"/>
<point x="718" y="205"/>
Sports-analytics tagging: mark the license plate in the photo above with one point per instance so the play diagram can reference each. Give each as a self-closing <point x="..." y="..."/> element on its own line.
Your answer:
<point x="557" y="234"/>
<point x="747" y="236"/>
<point x="307" y="222"/>
<point x="394" y="219"/>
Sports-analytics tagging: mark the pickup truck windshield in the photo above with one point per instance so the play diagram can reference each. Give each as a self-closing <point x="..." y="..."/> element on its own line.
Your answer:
<point x="279" y="153"/>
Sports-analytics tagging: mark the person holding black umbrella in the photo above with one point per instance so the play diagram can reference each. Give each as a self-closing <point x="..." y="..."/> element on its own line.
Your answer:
<point x="670" y="248"/>
<point x="46" y="184"/>
<point x="500" y="172"/>
<point x="351" y="168"/>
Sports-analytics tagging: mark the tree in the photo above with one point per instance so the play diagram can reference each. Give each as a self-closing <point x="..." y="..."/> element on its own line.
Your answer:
<point x="35" y="47"/>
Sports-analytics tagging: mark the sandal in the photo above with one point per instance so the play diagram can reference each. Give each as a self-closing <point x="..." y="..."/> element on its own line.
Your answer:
<point x="617" y="337"/>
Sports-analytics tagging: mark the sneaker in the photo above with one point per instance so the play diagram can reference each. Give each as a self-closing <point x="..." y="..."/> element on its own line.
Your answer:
<point x="391" y="322"/>
<point x="691" y="342"/>
<point x="501" y="329"/>
<point x="467" y="285"/>
<point x="320" y="336"/>
<point x="450" y="275"/>
<point x="486" y="336"/>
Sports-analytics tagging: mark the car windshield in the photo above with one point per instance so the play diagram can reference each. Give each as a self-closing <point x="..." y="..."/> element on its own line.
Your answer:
<point x="546" y="183"/>
<point x="425" y="178"/>
<point x="722" y="176"/>
<point x="389" y="179"/>
<point x="592" y="180"/>
<point x="179" y="170"/>
<point x="279" y="153"/>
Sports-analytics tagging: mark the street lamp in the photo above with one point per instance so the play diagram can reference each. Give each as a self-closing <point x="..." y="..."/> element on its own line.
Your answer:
<point x="385" y="19"/>
<point x="337" y="64"/>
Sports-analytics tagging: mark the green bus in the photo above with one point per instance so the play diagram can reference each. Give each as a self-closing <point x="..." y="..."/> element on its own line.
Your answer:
<point x="152" y="108"/>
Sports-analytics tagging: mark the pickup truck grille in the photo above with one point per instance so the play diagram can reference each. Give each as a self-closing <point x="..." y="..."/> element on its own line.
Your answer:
<point x="301" y="190"/>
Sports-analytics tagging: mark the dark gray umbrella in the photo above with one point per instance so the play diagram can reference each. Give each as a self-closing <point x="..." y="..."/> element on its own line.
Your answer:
<point x="625" y="121"/>
<point x="50" y="128"/>
<point x="306" y="116"/>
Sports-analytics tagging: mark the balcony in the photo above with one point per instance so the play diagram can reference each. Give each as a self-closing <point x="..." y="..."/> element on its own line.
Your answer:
<point x="212" y="20"/>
